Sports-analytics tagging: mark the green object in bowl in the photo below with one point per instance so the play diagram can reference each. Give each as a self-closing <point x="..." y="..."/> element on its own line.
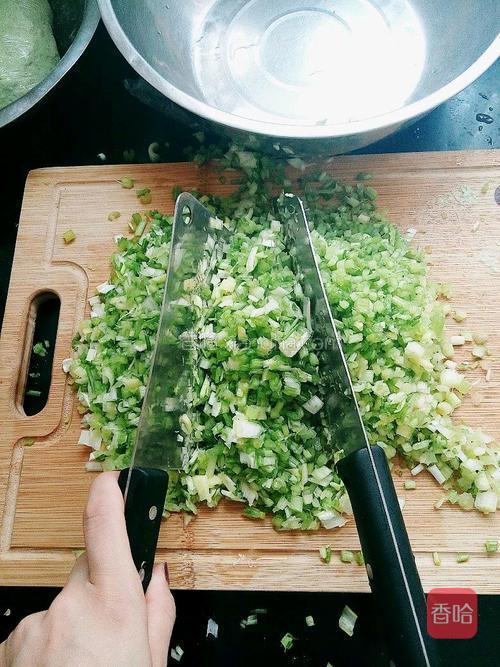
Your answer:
<point x="28" y="50"/>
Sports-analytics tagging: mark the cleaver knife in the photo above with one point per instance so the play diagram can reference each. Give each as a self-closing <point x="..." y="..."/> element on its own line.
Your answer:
<point x="161" y="445"/>
<point x="363" y="468"/>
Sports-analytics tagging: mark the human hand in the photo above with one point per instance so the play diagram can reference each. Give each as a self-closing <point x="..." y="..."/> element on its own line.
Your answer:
<point x="101" y="618"/>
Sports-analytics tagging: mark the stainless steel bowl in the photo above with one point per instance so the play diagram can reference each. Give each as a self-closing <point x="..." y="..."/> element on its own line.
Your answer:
<point x="75" y="21"/>
<point x="327" y="74"/>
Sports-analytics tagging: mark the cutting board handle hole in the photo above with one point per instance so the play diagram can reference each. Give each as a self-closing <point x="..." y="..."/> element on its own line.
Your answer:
<point x="43" y="321"/>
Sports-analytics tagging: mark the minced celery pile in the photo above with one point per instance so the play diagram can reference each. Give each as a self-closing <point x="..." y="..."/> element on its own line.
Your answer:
<point x="256" y="416"/>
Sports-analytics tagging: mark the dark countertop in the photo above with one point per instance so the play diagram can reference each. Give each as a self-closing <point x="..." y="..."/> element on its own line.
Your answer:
<point x="90" y="112"/>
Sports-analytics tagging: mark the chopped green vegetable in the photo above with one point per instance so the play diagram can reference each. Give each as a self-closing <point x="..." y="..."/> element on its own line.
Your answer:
<point x="310" y="621"/>
<point x="462" y="558"/>
<point x="69" y="236"/>
<point x="144" y="196"/>
<point x="459" y="315"/>
<point x="257" y="422"/>
<point x="39" y="349"/>
<point x="491" y="546"/>
<point x="410" y="484"/>
<point x="287" y="641"/>
<point x="127" y="183"/>
<point x="347" y="620"/>
<point x="114" y="215"/>
<point x="249" y="620"/>
<point x="436" y="558"/>
<point x="359" y="558"/>
<point x="325" y="553"/>
<point x="34" y="392"/>
<point x="212" y="628"/>
<point x="28" y="442"/>
<point x="176" y="653"/>
<point x="346" y="556"/>
<point x="479" y="351"/>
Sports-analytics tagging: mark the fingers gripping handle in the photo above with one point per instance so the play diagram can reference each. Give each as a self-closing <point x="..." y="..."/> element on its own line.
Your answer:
<point x="144" y="501"/>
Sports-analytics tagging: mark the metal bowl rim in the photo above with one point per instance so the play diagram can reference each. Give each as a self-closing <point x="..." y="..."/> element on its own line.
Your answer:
<point x="399" y="116"/>
<point x="82" y="39"/>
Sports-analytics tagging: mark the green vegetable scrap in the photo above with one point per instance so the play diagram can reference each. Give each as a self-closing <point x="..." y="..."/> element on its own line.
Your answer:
<point x="69" y="236"/>
<point x="144" y="196"/>
<point x="249" y="620"/>
<point x="127" y="183"/>
<point x="462" y="558"/>
<point x="491" y="546"/>
<point x="114" y="215"/>
<point x="346" y="556"/>
<point x="40" y="349"/>
<point x="257" y="422"/>
<point x="287" y="641"/>
<point x="176" y="653"/>
<point x="325" y="553"/>
<point x="310" y="621"/>
<point x="347" y="621"/>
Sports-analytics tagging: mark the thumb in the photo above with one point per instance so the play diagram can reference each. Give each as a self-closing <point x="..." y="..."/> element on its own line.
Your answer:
<point x="108" y="551"/>
<point x="160" y="608"/>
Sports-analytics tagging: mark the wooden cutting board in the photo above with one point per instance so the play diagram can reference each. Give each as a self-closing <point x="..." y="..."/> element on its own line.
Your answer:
<point x="449" y="198"/>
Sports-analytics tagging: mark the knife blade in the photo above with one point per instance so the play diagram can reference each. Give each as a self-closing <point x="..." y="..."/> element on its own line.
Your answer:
<point x="390" y="563"/>
<point x="161" y="444"/>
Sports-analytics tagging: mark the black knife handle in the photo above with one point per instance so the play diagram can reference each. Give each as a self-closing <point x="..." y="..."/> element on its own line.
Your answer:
<point x="392" y="571"/>
<point x="144" y="502"/>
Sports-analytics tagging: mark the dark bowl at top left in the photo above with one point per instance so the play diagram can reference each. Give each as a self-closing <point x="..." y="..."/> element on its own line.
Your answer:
<point x="74" y="24"/>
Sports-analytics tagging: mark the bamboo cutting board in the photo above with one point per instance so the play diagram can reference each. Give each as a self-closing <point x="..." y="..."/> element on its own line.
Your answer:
<point x="449" y="198"/>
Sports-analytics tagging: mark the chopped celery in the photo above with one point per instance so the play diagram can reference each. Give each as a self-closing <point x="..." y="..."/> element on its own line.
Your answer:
<point x="346" y="556"/>
<point x="176" y="653"/>
<point x="359" y="558"/>
<point x="459" y="315"/>
<point x="462" y="558"/>
<point x="144" y="195"/>
<point x="479" y="351"/>
<point x="69" y="236"/>
<point x="259" y="430"/>
<point x="287" y="641"/>
<point x="436" y="558"/>
<point x="347" y="620"/>
<point x="491" y="546"/>
<point x="127" y="183"/>
<point x="325" y="553"/>
<point x="114" y="215"/>
<point x="40" y="349"/>
<point x="212" y="628"/>
<point x="310" y="621"/>
<point x="410" y="484"/>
